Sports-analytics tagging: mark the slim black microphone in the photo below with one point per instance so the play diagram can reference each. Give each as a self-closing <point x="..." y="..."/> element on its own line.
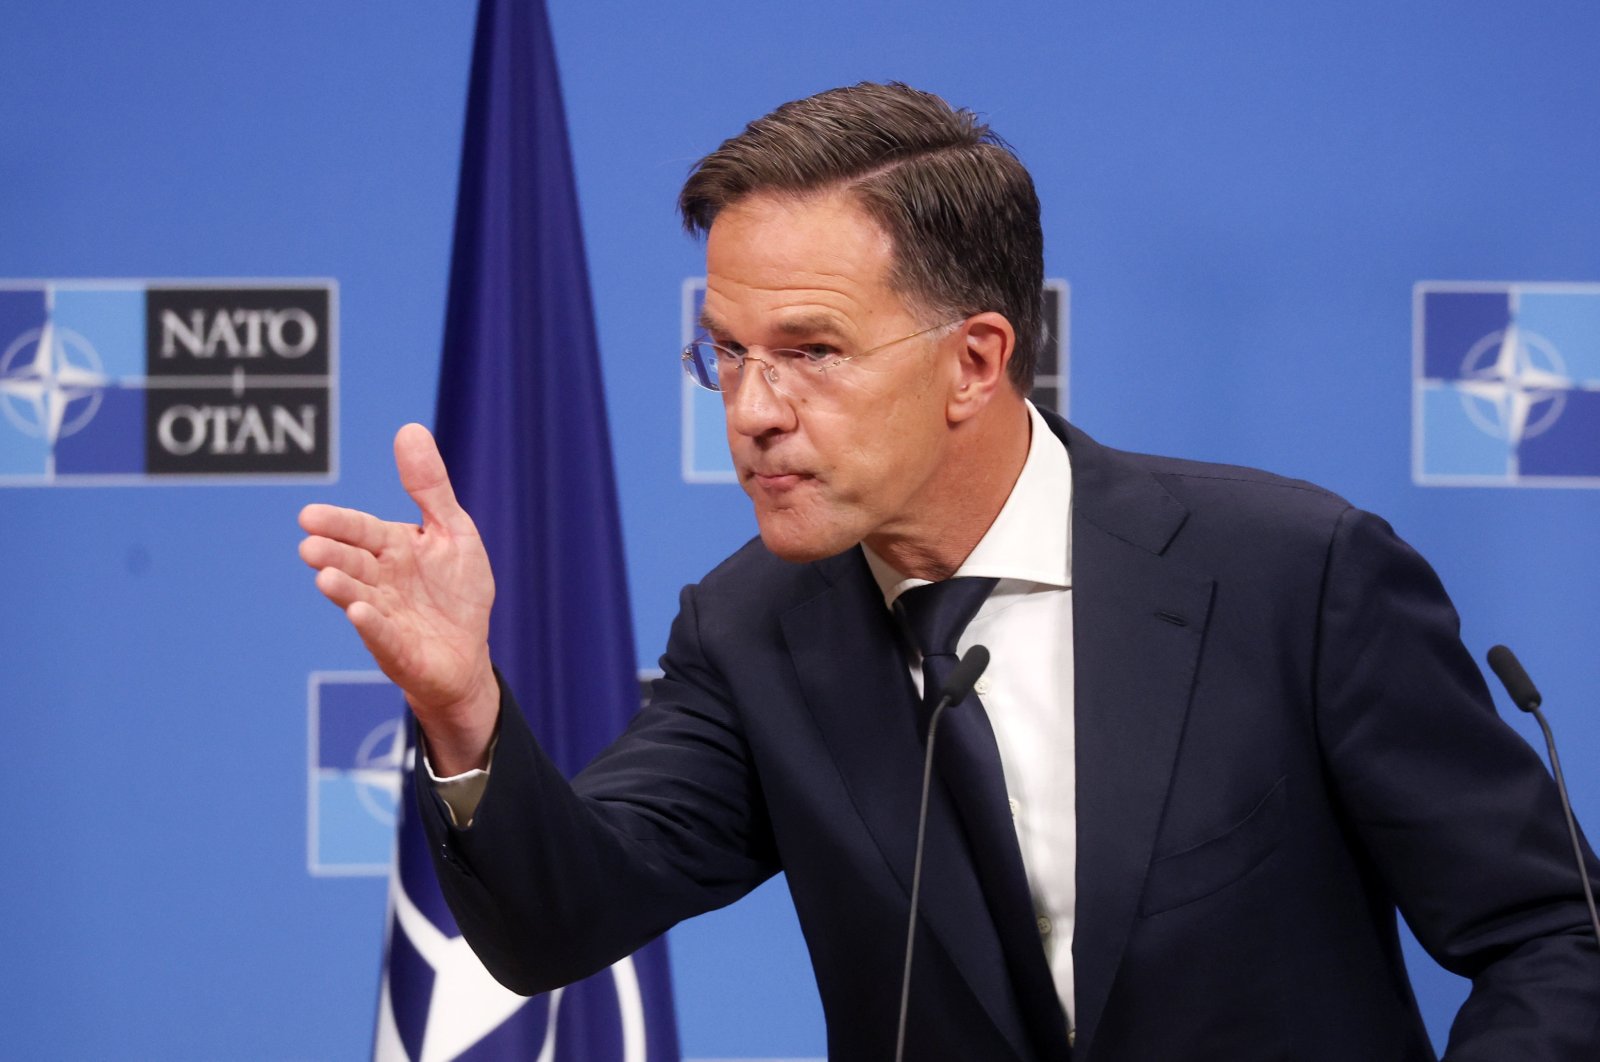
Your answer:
<point x="1503" y="662"/>
<point x="960" y="684"/>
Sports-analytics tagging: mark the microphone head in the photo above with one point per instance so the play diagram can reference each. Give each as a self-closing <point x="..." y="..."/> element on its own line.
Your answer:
<point x="1504" y="663"/>
<point x="964" y="674"/>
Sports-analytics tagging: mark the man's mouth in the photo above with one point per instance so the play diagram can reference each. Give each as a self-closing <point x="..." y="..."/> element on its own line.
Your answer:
<point x="778" y="481"/>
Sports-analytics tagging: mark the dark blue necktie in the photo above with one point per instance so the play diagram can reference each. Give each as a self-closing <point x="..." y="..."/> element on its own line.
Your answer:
<point x="969" y="762"/>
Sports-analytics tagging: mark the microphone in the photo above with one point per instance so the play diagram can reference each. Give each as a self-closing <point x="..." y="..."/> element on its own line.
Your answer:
<point x="963" y="677"/>
<point x="1504" y="663"/>
<point x="956" y="688"/>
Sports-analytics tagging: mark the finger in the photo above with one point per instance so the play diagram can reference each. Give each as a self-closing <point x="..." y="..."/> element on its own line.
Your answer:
<point x="359" y="529"/>
<point x="423" y="475"/>
<point x="342" y="590"/>
<point x="319" y="553"/>
<point x="377" y="632"/>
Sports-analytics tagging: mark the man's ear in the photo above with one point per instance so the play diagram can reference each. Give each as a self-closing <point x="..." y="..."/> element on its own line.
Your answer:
<point x="987" y="343"/>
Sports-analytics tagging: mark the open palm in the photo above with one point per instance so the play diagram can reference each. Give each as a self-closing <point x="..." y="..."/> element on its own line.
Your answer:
<point x="418" y="595"/>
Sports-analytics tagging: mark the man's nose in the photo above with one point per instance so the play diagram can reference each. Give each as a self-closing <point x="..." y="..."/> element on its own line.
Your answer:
<point x="754" y="406"/>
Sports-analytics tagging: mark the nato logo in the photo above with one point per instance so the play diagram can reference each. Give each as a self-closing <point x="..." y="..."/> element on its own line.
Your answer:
<point x="705" y="442"/>
<point x="130" y="381"/>
<point x="1506" y="385"/>
<point x="356" y="758"/>
<point x="356" y="751"/>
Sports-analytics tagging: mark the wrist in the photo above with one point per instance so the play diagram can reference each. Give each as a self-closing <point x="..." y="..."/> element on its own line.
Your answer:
<point x="460" y="734"/>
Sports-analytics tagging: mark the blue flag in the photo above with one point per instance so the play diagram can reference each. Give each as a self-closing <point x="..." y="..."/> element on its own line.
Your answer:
<point x="522" y="427"/>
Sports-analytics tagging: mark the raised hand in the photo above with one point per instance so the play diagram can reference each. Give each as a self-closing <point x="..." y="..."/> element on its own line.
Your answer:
<point x="419" y="597"/>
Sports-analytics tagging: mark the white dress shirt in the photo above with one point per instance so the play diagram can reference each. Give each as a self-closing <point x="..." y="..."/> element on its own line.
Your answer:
<point x="1026" y="624"/>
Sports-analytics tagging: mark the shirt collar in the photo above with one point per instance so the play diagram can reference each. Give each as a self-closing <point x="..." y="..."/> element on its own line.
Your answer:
<point x="1030" y="539"/>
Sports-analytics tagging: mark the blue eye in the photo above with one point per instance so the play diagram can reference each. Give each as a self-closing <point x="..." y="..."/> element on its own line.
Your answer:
<point x="817" y="353"/>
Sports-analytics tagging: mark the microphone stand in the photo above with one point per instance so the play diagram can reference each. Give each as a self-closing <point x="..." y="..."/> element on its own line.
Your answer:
<point x="1504" y="663"/>
<point x="955" y="691"/>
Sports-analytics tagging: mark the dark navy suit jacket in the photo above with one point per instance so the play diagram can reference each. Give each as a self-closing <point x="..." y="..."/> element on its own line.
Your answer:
<point x="1280" y="738"/>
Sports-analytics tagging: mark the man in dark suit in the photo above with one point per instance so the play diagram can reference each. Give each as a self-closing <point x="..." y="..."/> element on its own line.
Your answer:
<point x="1228" y="729"/>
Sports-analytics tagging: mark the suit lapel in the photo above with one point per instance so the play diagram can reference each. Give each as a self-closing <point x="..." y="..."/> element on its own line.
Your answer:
<point x="1138" y="623"/>
<point x="855" y="682"/>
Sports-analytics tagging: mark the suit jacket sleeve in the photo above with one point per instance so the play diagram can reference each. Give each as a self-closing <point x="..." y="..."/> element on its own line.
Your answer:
<point x="554" y="881"/>
<point x="1456" y="811"/>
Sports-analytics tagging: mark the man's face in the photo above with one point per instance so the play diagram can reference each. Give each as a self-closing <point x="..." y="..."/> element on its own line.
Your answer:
<point x="854" y="457"/>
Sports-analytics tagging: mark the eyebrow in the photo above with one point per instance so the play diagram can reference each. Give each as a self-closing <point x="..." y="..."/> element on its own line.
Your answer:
<point x="816" y="324"/>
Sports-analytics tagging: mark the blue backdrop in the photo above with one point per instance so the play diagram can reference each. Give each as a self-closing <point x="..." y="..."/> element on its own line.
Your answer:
<point x="1241" y="196"/>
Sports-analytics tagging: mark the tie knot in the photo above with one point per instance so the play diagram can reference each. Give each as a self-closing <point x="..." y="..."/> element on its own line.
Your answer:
<point x="936" y="614"/>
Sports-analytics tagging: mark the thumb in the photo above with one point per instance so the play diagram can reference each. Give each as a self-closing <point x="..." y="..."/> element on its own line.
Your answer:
<point x="423" y="475"/>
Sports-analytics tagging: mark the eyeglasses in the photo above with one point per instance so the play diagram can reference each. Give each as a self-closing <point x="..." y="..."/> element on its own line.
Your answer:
<point x="793" y="371"/>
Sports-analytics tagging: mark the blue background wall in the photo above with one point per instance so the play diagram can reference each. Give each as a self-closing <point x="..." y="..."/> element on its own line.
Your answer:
<point x="1241" y="195"/>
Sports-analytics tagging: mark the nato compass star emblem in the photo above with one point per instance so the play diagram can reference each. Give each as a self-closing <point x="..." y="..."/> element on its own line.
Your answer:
<point x="1513" y="384"/>
<point x="379" y="762"/>
<point x="51" y="381"/>
<point x="1506" y="384"/>
<point x="356" y="759"/>
<point x="125" y="381"/>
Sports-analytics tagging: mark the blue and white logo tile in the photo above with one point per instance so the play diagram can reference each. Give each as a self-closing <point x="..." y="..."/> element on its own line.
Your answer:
<point x="356" y="762"/>
<point x="1506" y="384"/>
<point x="108" y="382"/>
<point x="356" y="752"/>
